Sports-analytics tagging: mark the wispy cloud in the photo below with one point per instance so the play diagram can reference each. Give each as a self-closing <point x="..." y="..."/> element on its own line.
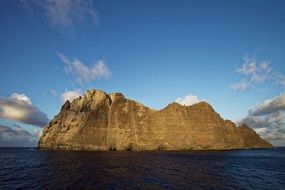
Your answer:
<point x="65" y="15"/>
<point x="19" y="107"/>
<point x="70" y="95"/>
<point x="256" y="72"/>
<point x="241" y="86"/>
<point x="53" y="93"/>
<point x="279" y="78"/>
<point x="188" y="100"/>
<point x="268" y="118"/>
<point x="84" y="73"/>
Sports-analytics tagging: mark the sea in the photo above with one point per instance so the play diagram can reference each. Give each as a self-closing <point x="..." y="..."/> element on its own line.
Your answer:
<point x="29" y="168"/>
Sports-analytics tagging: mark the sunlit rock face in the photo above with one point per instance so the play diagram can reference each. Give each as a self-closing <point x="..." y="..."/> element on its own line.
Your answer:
<point x="101" y="121"/>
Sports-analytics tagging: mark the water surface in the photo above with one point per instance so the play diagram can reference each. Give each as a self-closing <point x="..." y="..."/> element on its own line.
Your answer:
<point x="239" y="169"/>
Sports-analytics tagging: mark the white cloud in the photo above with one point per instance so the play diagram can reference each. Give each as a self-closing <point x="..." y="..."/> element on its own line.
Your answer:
<point x="19" y="107"/>
<point x="70" y="95"/>
<point x="188" y="100"/>
<point x="256" y="69"/>
<point x="256" y="72"/>
<point x="84" y="73"/>
<point x="21" y="97"/>
<point x="65" y="15"/>
<point x="268" y="118"/>
<point x="240" y="86"/>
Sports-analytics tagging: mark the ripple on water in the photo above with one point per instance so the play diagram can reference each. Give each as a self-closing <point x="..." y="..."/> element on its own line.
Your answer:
<point x="242" y="169"/>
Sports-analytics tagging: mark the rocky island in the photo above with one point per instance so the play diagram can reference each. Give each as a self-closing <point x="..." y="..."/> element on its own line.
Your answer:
<point x="101" y="121"/>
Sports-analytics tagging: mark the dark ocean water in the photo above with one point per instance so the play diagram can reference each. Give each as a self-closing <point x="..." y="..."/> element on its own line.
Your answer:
<point x="241" y="169"/>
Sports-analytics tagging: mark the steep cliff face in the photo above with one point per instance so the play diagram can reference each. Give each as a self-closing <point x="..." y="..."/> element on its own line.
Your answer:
<point x="100" y="121"/>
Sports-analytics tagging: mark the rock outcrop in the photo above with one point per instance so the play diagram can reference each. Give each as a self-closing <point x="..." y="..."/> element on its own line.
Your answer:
<point x="100" y="121"/>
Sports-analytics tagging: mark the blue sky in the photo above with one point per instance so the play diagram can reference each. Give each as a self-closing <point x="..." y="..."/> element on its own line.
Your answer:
<point x="229" y="53"/>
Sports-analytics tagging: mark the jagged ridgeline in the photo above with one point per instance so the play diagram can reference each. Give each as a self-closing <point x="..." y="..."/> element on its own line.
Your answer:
<point x="101" y="121"/>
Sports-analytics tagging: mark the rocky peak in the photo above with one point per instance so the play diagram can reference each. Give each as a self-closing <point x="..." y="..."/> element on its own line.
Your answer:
<point x="95" y="95"/>
<point x="202" y="105"/>
<point x="101" y="121"/>
<point x="65" y="106"/>
<point x="89" y="100"/>
<point x="116" y="96"/>
<point x="246" y="129"/>
<point x="173" y="105"/>
<point x="251" y="138"/>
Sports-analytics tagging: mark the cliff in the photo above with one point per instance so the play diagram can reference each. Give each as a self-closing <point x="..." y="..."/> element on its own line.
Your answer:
<point x="100" y="121"/>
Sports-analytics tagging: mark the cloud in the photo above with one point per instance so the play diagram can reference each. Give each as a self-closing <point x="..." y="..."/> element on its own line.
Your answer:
<point x="268" y="118"/>
<point x="19" y="107"/>
<point x="256" y="72"/>
<point x="37" y="133"/>
<point x="21" y="97"/>
<point x="280" y="78"/>
<point x="84" y="73"/>
<point x="274" y="104"/>
<point x="264" y="121"/>
<point x="70" y="95"/>
<point x="54" y="93"/>
<point x="188" y="100"/>
<point x="16" y="137"/>
<point x="270" y="126"/>
<point x="65" y="15"/>
<point x="240" y="86"/>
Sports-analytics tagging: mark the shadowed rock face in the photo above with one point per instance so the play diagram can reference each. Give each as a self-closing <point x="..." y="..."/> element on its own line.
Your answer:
<point x="100" y="121"/>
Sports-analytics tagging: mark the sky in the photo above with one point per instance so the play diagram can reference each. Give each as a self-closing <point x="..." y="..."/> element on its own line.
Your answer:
<point x="228" y="53"/>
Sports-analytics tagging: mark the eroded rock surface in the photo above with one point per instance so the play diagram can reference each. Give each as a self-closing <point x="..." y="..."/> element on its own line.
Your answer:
<point x="101" y="121"/>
